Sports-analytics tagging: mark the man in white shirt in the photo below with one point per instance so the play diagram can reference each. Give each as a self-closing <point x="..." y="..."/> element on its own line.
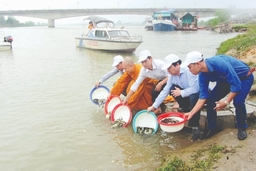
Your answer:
<point x="117" y="63"/>
<point x="152" y="68"/>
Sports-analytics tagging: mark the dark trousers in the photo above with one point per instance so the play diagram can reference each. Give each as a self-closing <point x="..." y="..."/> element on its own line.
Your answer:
<point x="155" y="93"/>
<point x="188" y="103"/>
<point x="220" y="91"/>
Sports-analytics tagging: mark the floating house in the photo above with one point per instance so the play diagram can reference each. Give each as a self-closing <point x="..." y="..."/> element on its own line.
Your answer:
<point x="188" y="22"/>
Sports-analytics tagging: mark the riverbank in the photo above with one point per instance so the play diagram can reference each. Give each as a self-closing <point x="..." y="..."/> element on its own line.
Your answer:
<point x="227" y="153"/>
<point x="224" y="150"/>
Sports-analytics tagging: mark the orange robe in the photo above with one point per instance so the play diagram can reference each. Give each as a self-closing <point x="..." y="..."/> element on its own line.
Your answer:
<point x="141" y="98"/>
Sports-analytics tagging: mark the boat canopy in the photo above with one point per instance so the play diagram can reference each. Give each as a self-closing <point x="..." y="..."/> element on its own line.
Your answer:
<point x="98" y="20"/>
<point x="163" y="13"/>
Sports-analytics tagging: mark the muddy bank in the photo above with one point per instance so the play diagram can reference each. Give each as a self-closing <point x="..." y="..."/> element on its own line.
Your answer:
<point x="236" y="156"/>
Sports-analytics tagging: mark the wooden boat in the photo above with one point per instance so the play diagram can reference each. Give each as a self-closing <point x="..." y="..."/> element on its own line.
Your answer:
<point x="186" y="29"/>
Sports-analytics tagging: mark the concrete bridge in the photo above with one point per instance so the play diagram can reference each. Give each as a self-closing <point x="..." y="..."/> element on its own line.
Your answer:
<point x="54" y="14"/>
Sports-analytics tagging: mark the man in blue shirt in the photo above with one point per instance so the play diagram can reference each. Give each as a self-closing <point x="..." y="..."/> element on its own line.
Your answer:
<point x="183" y="86"/>
<point x="233" y="79"/>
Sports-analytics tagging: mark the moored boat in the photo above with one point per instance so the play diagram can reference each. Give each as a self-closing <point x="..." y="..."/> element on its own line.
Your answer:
<point x="186" y="29"/>
<point x="6" y="44"/>
<point x="106" y="37"/>
<point x="149" y="24"/>
<point x="164" y="20"/>
<point x="188" y="22"/>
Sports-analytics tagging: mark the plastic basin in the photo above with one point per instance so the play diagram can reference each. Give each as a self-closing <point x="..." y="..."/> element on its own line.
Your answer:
<point x="111" y="104"/>
<point x="99" y="93"/>
<point x="145" y="119"/>
<point x="171" y="127"/>
<point x="123" y="112"/>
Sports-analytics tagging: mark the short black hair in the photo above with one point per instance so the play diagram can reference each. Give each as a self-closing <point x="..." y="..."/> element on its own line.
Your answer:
<point x="178" y="62"/>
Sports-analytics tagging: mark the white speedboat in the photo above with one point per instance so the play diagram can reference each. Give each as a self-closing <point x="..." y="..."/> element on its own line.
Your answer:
<point x="149" y="24"/>
<point x="106" y="37"/>
<point x="6" y="44"/>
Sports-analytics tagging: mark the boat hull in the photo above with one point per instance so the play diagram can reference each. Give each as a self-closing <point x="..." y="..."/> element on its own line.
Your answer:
<point x="186" y="29"/>
<point x="107" y="45"/>
<point x="5" y="46"/>
<point x="148" y="27"/>
<point x="164" y="25"/>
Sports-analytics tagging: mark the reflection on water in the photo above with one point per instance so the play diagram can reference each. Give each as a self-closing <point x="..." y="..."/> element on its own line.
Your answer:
<point x="47" y="119"/>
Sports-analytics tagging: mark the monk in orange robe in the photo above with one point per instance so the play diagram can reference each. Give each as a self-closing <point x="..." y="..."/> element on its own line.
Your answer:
<point x="141" y="99"/>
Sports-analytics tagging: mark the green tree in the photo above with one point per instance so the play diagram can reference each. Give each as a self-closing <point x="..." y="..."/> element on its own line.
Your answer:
<point x="2" y="20"/>
<point x="29" y="23"/>
<point x="223" y="15"/>
<point x="12" y="21"/>
<point x="214" y="22"/>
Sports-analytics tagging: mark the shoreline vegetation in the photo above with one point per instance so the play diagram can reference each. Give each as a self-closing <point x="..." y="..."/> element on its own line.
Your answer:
<point x="12" y="22"/>
<point x="243" y="47"/>
<point x="209" y="154"/>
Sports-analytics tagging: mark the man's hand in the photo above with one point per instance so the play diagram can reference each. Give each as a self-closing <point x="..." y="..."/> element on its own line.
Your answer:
<point x="220" y="105"/>
<point x="97" y="84"/>
<point x="150" y="108"/>
<point x="109" y="96"/>
<point x="124" y="101"/>
<point x="188" y="115"/>
<point x="158" y="87"/>
<point x="176" y="92"/>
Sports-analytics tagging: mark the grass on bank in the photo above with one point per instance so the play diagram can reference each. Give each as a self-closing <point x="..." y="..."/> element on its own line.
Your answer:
<point x="202" y="159"/>
<point x="241" y="42"/>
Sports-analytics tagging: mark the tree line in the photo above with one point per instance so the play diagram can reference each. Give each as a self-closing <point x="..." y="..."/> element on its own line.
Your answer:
<point x="220" y="17"/>
<point x="12" y="22"/>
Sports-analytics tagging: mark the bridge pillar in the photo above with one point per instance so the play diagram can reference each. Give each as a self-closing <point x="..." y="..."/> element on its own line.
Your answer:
<point x="51" y="23"/>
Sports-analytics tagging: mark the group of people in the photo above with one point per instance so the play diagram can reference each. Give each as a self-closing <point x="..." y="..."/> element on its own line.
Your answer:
<point x="150" y="83"/>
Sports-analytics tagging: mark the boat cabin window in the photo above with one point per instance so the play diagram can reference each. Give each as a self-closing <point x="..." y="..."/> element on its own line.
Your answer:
<point x="105" y="25"/>
<point x="118" y="33"/>
<point x="101" y="33"/>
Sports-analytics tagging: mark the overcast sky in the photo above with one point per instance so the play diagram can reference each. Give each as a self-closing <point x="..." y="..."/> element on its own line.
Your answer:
<point x="73" y="4"/>
<point x="83" y="4"/>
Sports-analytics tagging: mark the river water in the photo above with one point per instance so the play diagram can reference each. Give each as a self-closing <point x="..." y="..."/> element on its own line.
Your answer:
<point x="48" y="122"/>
